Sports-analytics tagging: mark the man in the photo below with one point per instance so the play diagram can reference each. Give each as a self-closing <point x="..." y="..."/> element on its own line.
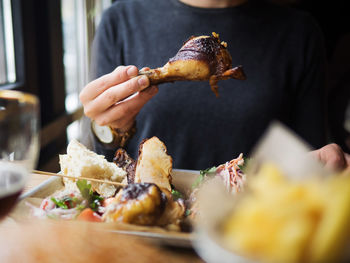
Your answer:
<point x="282" y="54"/>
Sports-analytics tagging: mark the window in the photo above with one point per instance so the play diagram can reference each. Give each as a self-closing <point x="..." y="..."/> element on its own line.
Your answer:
<point x="7" y="52"/>
<point x="45" y="50"/>
<point x="79" y="20"/>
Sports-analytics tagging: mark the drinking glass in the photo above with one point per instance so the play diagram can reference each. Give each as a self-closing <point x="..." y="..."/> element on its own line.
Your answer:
<point x="19" y="144"/>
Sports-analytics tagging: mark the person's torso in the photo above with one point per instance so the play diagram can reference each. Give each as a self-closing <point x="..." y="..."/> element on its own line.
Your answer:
<point x="199" y="129"/>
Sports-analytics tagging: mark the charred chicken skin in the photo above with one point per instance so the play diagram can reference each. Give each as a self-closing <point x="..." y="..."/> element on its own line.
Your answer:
<point x="139" y="204"/>
<point x="154" y="165"/>
<point x="202" y="58"/>
<point x="128" y="164"/>
<point x="145" y="204"/>
<point x="147" y="199"/>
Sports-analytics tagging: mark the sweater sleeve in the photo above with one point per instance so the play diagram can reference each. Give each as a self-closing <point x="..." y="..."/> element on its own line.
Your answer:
<point x="309" y="113"/>
<point x="104" y="58"/>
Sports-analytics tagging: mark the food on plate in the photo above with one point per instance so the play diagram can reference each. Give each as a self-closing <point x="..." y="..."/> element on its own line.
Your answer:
<point x="281" y="220"/>
<point x="230" y="173"/>
<point x="70" y="202"/>
<point x="128" y="164"/>
<point x="140" y="204"/>
<point x="149" y="197"/>
<point x="154" y="165"/>
<point x="145" y="204"/>
<point x="80" y="161"/>
<point x="200" y="58"/>
<point x="146" y="200"/>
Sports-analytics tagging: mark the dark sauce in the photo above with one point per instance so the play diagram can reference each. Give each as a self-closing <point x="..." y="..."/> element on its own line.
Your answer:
<point x="8" y="197"/>
<point x="8" y="202"/>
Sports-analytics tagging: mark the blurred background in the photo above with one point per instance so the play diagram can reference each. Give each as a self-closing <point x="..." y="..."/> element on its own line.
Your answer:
<point x="45" y="49"/>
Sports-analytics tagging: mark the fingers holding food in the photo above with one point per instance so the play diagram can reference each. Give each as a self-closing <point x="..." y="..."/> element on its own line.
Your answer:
<point x="98" y="86"/>
<point x="116" y="98"/>
<point x="122" y="114"/>
<point x="118" y="93"/>
<point x="113" y="95"/>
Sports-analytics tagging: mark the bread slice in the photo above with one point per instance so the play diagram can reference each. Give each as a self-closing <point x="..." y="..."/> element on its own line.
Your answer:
<point x="80" y="161"/>
<point x="154" y="165"/>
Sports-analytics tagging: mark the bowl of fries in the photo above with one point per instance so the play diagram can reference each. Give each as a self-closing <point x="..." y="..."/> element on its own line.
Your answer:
<point x="292" y="209"/>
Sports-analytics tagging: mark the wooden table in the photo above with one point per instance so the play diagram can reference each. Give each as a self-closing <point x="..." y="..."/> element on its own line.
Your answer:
<point x="34" y="180"/>
<point x="160" y="253"/>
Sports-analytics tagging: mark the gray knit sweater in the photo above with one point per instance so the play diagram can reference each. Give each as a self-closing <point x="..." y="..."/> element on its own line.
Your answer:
<point x="282" y="53"/>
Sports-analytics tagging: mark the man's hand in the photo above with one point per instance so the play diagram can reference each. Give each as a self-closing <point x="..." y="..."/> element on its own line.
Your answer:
<point x="333" y="157"/>
<point x="116" y="98"/>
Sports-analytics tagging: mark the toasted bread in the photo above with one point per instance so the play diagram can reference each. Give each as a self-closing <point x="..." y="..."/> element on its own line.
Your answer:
<point x="80" y="161"/>
<point x="154" y="165"/>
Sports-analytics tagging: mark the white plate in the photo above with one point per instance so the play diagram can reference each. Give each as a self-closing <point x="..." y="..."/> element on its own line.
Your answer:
<point x="181" y="179"/>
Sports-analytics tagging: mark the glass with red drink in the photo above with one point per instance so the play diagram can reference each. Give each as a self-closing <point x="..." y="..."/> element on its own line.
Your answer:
<point x="19" y="144"/>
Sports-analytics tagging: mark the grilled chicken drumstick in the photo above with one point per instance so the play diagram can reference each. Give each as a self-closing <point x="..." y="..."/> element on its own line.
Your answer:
<point x="200" y="58"/>
<point x="147" y="199"/>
